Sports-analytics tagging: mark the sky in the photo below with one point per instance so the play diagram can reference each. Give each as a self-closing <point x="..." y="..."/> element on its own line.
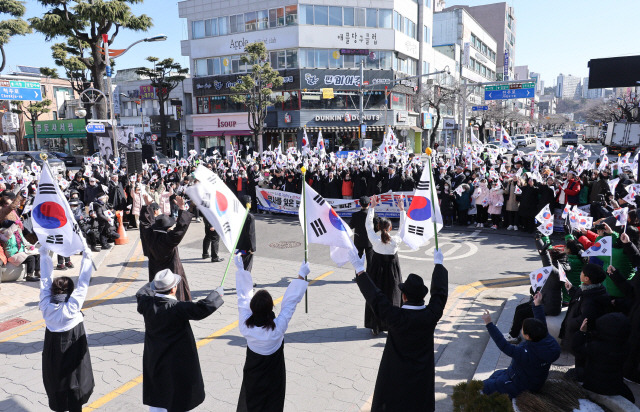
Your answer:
<point x="552" y="36"/>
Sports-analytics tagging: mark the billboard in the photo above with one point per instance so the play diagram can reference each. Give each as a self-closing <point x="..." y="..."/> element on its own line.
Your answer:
<point x="614" y="72"/>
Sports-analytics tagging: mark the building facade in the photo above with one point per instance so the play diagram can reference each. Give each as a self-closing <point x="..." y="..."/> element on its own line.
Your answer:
<point x="314" y="46"/>
<point x="568" y="87"/>
<point x="591" y="93"/>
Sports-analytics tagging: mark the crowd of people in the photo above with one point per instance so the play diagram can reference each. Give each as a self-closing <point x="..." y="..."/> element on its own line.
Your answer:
<point x="476" y="186"/>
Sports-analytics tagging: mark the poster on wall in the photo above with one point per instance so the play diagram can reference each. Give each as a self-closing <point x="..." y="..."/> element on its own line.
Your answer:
<point x="277" y="201"/>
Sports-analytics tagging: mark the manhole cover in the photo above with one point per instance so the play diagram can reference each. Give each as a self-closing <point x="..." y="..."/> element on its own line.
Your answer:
<point x="285" y="244"/>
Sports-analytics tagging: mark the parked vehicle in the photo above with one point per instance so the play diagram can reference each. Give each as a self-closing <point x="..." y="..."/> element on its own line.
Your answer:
<point x="569" y="138"/>
<point x="69" y="160"/>
<point x="622" y="137"/>
<point x="56" y="165"/>
<point x="591" y="134"/>
<point x="521" y="140"/>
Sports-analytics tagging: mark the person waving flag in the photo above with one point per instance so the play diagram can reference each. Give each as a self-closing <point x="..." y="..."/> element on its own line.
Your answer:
<point x="305" y="141"/>
<point x="505" y="140"/>
<point x="320" y="145"/>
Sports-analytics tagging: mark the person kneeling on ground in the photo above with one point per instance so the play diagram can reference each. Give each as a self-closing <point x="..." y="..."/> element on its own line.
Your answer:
<point x="531" y="359"/>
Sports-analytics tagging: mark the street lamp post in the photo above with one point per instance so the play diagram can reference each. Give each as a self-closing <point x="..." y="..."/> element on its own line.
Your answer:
<point x="105" y="40"/>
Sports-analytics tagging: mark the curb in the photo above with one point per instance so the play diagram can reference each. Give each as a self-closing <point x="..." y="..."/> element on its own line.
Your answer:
<point x="613" y="403"/>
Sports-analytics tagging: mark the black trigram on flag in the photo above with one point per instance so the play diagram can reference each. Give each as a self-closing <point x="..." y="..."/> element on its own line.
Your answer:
<point x="205" y="200"/>
<point x="47" y="189"/>
<point x="213" y="179"/>
<point x="55" y="239"/>
<point x="226" y="227"/>
<point x="416" y="230"/>
<point x="319" y="200"/>
<point x="318" y="227"/>
<point x="423" y="185"/>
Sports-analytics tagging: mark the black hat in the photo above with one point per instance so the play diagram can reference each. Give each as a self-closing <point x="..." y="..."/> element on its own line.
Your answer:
<point x="163" y="222"/>
<point x="364" y="201"/>
<point x="247" y="200"/>
<point x="154" y="206"/>
<point x="414" y="287"/>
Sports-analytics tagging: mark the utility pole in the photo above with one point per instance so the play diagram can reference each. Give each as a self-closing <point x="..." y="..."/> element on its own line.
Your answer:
<point x="361" y="103"/>
<point x="464" y="113"/>
<point x="114" y="141"/>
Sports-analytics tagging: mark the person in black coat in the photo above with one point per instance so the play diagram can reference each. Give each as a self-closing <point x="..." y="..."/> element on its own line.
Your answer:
<point x="605" y="352"/>
<point x="528" y="206"/>
<point x="211" y="240"/>
<point x="391" y="181"/>
<point x="332" y="187"/>
<point x="117" y="197"/>
<point x="546" y="195"/>
<point x="92" y="191"/>
<point x="172" y="378"/>
<point x="406" y="376"/>
<point x="373" y="177"/>
<point x="247" y="244"/>
<point x="359" y="183"/>
<point x="360" y="237"/>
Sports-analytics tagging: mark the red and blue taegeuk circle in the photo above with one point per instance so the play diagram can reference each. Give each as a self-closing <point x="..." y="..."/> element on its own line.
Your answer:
<point x="549" y="226"/>
<point x="539" y="277"/>
<point x="335" y="220"/>
<point x="596" y="246"/>
<point x="546" y="215"/>
<point x="547" y="144"/>
<point x="49" y="215"/>
<point x="221" y="204"/>
<point x="420" y="209"/>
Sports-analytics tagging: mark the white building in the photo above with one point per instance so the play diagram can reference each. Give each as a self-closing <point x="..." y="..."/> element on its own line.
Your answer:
<point x="591" y="93"/>
<point x="568" y="87"/>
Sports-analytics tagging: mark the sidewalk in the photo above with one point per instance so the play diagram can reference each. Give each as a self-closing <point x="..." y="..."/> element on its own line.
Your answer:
<point x="19" y="297"/>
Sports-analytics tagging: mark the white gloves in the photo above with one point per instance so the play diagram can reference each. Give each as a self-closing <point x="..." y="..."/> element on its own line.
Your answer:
<point x="237" y="259"/>
<point x="357" y="262"/>
<point x="438" y="257"/>
<point x="304" y="270"/>
<point x="220" y="291"/>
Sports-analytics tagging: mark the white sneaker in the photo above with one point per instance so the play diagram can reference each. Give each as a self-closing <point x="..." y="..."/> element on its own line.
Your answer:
<point x="515" y="228"/>
<point x="494" y="227"/>
<point x="510" y="339"/>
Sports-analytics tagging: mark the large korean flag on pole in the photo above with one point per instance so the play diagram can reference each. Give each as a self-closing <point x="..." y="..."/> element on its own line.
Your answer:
<point x="219" y="205"/>
<point x="423" y="212"/>
<point x="323" y="225"/>
<point x="53" y="221"/>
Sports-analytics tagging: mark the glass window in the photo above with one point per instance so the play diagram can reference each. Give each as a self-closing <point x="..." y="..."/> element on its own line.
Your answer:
<point x="292" y="58"/>
<point x="280" y="16"/>
<point x="273" y="58"/>
<point x="214" y="27"/>
<point x="310" y="58"/>
<point x="207" y="28"/>
<point x="273" y="17"/>
<point x="203" y="105"/>
<point x="216" y="66"/>
<point x="291" y="13"/>
<point x="385" y="59"/>
<point x="335" y="16"/>
<point x="306" y="14"/>
<point x="427" y="3"/>
<point x="225" y="65"/>
<point x="320" y="15"/>
<point x="349" y="62"/>
<point x="372" y="61"/>
<point x="282" y="63"/>
<point x="398" y="101"/>
<point x="235" y="64"/>
<point x="236" y="23"/>
<point x="250" y="21"/>
<point x="201" y="67"/>
<point x="322" y="58"/>
<point x="223" y="25"/>
<point x="348" y="16"/>
<point x="385" y="16"/>
<point x="360" y="17"/>
<point x="359" y="59"/>
<point x="335" y="60"/>
<point x="210" y="67"/>
<point x="397" y="17"/>
<point x="198" y="29"/>
<point x="372" y="17"/>
<point x="263" y="19"/>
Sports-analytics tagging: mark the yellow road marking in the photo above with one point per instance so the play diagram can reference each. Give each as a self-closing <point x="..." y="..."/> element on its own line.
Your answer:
<point x="138" y="379"/>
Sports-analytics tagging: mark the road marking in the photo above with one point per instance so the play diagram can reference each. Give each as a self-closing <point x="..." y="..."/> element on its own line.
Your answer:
<point x="202" y="342"/>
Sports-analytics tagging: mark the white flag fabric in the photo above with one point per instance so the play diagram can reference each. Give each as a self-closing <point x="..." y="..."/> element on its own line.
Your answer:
<point x="53" y="220"/>
<point x="546" y="228"/>
<point x="621" y="216"/>
<point x="320" y="145"/>
<point x="305" y="141"/>
<point x="505" y="140"/>
<point x="545" y="215"/>
<point x="422" y="213"/>
<point x="544" y="145"/>
<point x="324" y="226"/>
<point x="585" y="222"/>
<point x="601" y="247"/>
<point x="539" y="277"/>
<point x="562" y="274"/>
<point x="218" y="204"/>
<point x="612" y="184"/>
<point x="566" y="210"/>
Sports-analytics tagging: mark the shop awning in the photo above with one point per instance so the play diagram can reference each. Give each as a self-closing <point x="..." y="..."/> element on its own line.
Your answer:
<point x="56" y="136"/>
<point x="223" y="133"/>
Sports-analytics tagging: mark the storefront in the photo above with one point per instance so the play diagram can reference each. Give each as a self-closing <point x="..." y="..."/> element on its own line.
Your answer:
<point x="67" y="136"/>
<point x="223" y="131"/>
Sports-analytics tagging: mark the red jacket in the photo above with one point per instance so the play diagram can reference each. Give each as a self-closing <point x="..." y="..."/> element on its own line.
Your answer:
<point x="572" y="191"/>
<point x="587" y="240"/>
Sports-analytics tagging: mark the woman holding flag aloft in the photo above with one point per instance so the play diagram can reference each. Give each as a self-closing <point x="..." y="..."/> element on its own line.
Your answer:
<point x="385" y="266"/>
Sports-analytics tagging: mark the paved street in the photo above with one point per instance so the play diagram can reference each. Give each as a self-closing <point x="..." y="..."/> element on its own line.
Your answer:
<point x="332" y="360"/>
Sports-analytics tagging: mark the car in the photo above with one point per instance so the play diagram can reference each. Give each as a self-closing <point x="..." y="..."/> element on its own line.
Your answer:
<point x="521" y="140"/>
<point x="532" y="138"/>
<point x="69" y="160"/>
<point x="569" y="138"/>
<point x="500" y="149"/>
<point x="28" y="157"/>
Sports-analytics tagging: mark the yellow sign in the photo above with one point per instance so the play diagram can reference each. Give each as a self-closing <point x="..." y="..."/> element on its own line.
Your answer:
<point x="336" y="54"/>
<point x="225" y="62"/>
<point x="327" y="93"/>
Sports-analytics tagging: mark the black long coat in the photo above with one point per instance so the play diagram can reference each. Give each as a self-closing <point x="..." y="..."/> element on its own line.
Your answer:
<point x="171" y="373"/>
<point x="407" y="372"/>
<point x="162" y="249"/>
<point x="528" y="201"/>
<point x="590" y="304"/>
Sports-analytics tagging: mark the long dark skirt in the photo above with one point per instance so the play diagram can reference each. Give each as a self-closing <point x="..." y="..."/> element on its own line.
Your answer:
<point x="264" y="382"/>
<point x="66" y="368"/>
<point x="385" y="273"/>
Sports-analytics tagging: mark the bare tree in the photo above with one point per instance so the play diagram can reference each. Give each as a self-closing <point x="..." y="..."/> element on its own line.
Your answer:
<point x="439" y="95"/>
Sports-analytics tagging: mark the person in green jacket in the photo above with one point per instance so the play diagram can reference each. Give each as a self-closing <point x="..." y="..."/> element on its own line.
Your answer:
<point x="576" y="262"/>
<point x="619" y="260"/>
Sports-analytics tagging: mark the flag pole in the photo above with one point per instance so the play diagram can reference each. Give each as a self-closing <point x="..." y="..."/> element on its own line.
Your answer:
<point x="304" y="230"/>
<point x="244" y="219"/>
<point x="433" y="208"/>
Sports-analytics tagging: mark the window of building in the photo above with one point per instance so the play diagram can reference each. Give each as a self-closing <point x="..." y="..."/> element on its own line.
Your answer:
<point x="251" y="21"/>
<point x="398" y="101"/>
<point x="385" y="19"/>
<point x="263" y="19"/>
<point x="203" y="105"/>
<point x="291" y="15"/>
<point x="322" y="58"/>
<point x="276" y="17"/>
<point x="321" y="15"/>
<point x="223" y="25"/>
<point x="361" y="15"/>
<point x="349" y="19"/>
<point x="385" y="59"/>
<point x="201" y="67"/>
<point x="292" y="58"/>
<point x="306" y="14"/>
<point x="236" y="23"/>
<point x="425" y="67"/>
<point x="225" y="65"/>
<point x="427" y="3"/>
<point x="335" y="16"/>
<point x="372" y="17"/>
<point x="335" y="60"/>
<point x="349" y="62"/>
<point x="198" y="29"/>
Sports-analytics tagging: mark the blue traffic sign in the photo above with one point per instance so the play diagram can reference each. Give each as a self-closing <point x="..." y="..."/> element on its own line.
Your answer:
<point x="509" y="94"/>
<point x="19" y="93"/>
<point x="95" y="128"/>
<point x="476" y="108"/>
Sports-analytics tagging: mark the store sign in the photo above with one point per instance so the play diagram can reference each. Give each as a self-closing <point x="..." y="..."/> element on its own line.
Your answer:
<point x="221" y="85"/>
<point x="10" y="122"/>
<point x="287" y="118"/>
<point x="448" y="123"/>
<point x="147" y="92"/>
<point x="55" y="128"/>
<point x="220" y="122"/>
<point x="354" y="52"/>
<point x="341" y="79"/>
<point x="402" y="116"/>
<point x="347" y="117"/>
<point x="426" y="120"/>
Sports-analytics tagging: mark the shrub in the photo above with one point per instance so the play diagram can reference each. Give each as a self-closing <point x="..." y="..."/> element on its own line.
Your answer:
<point x="468" y="397"/>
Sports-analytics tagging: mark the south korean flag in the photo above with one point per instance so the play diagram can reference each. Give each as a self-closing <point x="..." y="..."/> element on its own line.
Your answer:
<point x="601" y="247"/>
<point x="418" y="227"/>
<point x="53" y="221"/>
<point x="539" y="277"/>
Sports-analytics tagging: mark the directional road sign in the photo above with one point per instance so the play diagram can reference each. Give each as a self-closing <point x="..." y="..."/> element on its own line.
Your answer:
<point x="476" y="108"/>
<point x="95" y="128"/>
<point x="510" y="91"/>
<point x="20" y="90"/>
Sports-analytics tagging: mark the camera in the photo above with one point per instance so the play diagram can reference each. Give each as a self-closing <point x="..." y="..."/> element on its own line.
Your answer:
<point x="599" y="226"/>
